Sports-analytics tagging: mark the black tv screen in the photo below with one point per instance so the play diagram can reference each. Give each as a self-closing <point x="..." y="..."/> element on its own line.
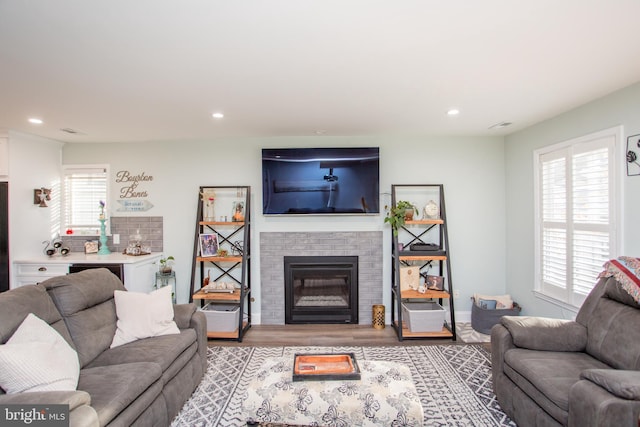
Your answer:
<point x="321" y="180"/>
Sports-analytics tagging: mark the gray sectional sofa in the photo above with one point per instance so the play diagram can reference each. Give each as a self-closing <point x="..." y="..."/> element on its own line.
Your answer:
<point x="549" y="372"/>
<point x="141" y="383"/>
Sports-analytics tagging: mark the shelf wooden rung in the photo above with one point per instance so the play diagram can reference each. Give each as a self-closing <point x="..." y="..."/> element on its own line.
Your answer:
<point x="218" y="296"/>
<point x="425" y="221"/>
<point x="444" y="333"/>
<point x="413" y="294"/>
<point x="423" y="257"/>
<point x="219" y="259"/>
<point x="231" y="335"/>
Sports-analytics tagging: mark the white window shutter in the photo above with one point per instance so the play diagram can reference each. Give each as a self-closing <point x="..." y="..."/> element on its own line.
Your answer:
<point x="576" y="221"/>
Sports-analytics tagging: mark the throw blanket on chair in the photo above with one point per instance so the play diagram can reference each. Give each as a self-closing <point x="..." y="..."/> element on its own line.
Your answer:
<point x="627" y="271"/>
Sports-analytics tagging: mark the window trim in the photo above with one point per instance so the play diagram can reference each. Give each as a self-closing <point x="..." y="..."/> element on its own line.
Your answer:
<point x="615" y="203"/>
<point x="63" y="204"/>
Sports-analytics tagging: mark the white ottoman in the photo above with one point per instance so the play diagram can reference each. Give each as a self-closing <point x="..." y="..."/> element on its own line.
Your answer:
<point x="384" y="396"/>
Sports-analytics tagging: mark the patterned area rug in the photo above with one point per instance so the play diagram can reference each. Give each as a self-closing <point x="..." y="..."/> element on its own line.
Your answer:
<point x="453" y="381"/>
<point x="469" y="335"/>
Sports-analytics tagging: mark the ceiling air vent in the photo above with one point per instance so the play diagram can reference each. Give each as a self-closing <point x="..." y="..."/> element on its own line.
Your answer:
<point x="71" y="131"/>
<point x="500" y="125"/>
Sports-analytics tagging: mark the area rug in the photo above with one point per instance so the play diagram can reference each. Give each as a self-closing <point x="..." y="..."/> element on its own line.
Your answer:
<point x="467" y="334"/>
<point x="453" y="381"/>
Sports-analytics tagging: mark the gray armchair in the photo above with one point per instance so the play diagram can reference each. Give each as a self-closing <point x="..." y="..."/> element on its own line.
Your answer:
<point x="550" y="372"/>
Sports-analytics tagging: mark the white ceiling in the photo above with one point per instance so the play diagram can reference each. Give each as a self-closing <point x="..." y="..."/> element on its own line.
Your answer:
<point x="139" y="70"/>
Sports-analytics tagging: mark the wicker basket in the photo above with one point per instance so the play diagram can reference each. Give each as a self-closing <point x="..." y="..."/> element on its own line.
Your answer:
<point x="482" y="320"/>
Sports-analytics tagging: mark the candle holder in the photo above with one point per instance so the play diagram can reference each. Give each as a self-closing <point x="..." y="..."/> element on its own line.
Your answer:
<point x="104" y="250"/>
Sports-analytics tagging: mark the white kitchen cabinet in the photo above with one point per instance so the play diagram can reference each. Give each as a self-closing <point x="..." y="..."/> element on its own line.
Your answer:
<point x="141" y="276"/>
<point x="31" y="273"/>
<point x="139" y="271"/>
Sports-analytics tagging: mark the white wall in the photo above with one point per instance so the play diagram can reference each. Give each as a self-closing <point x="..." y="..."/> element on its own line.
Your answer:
<point x="34" y="162"/>
<point x="471" y="169"/>
<point x="619" y="108"/>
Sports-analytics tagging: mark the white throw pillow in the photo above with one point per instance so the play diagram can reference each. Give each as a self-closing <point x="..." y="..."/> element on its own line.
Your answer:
<point x="37" y="358"/>
<point x="143" y="315"/>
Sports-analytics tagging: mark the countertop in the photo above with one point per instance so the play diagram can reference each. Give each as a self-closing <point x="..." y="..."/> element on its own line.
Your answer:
<point x="82" y="258"/>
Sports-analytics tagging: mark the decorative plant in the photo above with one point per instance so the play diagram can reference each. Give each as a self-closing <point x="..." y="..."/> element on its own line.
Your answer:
<point x="165" y="264"/>
<point x="102" y="205"/>
<point x="396" y="216"/>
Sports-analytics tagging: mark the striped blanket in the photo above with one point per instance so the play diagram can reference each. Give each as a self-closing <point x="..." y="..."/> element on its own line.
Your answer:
<point x="626" y="270"/>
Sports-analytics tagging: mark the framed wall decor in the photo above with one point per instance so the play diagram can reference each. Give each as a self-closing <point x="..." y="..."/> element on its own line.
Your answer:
<point x="633" y="155"/>
<point x="208" y="244"/>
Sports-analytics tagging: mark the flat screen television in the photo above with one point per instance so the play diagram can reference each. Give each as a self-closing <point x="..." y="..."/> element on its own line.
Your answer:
<point x="317" y="181"/>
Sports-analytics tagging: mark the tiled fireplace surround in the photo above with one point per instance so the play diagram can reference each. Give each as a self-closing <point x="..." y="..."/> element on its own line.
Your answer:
<point x="274" y="246"/>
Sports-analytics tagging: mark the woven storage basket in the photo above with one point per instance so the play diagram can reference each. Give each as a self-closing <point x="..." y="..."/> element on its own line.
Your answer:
<point x="482" y="320"/>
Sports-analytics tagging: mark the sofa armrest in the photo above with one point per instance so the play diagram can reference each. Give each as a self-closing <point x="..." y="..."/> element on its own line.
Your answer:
<point x="592" y="405"/>
<point x="620" y="383"/>
<point x="541" y="333"/>
<point x="501" y="342"/>
<point x="188" y="316"/>
<point x="81" y="414"/>
<point x="182" y="314"/>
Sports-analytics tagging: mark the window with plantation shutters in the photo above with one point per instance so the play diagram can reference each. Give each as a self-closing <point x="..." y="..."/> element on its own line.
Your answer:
<point x="575" y="215"/>
<point x="83" y="188"/>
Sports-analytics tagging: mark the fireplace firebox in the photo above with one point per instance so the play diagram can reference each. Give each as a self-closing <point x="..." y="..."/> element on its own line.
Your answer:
<point x="321" y="289"/>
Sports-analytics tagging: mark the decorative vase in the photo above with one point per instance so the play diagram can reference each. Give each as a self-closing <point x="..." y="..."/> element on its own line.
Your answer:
<point x="104" y="250"/>
<point x="209" y="213"/>
<point x="408" y="214"/>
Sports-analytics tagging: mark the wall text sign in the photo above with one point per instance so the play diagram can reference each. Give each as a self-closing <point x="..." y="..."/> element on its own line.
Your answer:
<point x="134" y="205"/>
<point x="130" y="189"/>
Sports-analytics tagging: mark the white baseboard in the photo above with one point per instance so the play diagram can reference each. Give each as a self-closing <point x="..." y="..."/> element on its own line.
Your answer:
<point x="461" y="317"/>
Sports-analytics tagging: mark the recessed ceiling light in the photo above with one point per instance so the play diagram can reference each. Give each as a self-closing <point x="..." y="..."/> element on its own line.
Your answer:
<point x="453" y="112"/>
<point x="35" y="121"/>
<point x="217" y="115"/>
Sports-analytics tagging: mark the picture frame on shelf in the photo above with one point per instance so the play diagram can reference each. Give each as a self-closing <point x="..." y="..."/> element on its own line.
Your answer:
<point x="434" y="283"/>
<point x="208" y="244"/>
<point x="409" y="278"/>
<point x="91" y="247"/>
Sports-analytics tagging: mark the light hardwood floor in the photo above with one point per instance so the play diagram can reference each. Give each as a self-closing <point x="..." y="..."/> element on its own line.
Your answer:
<point x="323" y="335"/>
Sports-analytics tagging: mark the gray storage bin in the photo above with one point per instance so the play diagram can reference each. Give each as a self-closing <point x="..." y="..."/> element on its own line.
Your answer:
<point x="482" y="320"/>
<point x="423" y="316"/>
<point x="221" y="317"/>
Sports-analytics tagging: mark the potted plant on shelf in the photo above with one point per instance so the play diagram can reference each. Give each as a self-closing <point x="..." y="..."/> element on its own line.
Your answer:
<point x="398" y="214"/>
<point x="166" y="264"/>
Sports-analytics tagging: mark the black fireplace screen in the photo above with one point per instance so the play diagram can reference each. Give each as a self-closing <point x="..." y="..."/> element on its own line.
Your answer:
<point x="322" y="289"/>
